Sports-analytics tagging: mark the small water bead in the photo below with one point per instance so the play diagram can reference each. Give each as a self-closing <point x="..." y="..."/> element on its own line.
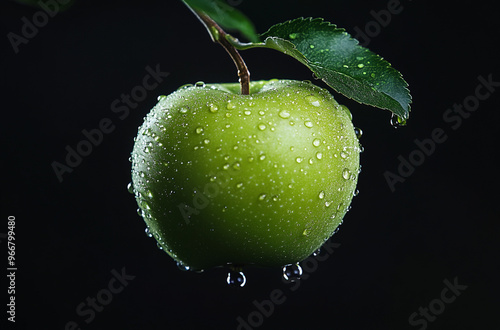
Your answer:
<point x="199" y="84"/>
<point x="199" y="130"/>
<point x="239" y="185"/>
<point x="299" y="159"/>
<point x="343" y="154"/>
<point x="183" y="110"/>
<point x="226" y="166"/>
<point x="319" y="155"/>
<point x="236" y="166"/>
<point x="262" y="157"/>
<point x="346" y="173"/>
<point x="397" y="121"/>
<point x="161" y="97"/>
<point x="316" y="142"/>
<point x="230" y="105"/>
<point x="355" y="193"/>
<point x="158" y="245"/>
<point x="206" y="141"/>
<point x="262" y="197"/>
<point x="316" y="253"/>
<point x="247" y="112"/>
<point x="148" y="232"/>
<point x="262" y="127"/>
<point x="321" y="194"/>
<point x="292" y="272"/>
<point x="361" y="65"/>
<point x="284" y="114"/>
<point x="236" y="279"/>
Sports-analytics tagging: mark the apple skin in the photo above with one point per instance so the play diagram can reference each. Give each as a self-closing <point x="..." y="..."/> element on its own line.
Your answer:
<point x="228" y="179"/>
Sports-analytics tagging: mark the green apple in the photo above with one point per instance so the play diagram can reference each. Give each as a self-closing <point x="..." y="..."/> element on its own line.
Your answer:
<point x="228" y="179"/>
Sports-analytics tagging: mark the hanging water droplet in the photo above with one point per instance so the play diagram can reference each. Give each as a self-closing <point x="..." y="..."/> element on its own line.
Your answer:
<point x="149" y="194"/>
<point x="306" y="232"/>
<point x="292" y="272"/>
<point x="358" y="132"/>
<point x="236" y="279"/>
<point x="343" y="154"/>
<point x="397" y="121"/>
<point x="148" y="232"/>
<point x="346" y="173"/>
<point x="355" y="193"/>
<point x="130" y="188"/>
<point x="183" y="267"/>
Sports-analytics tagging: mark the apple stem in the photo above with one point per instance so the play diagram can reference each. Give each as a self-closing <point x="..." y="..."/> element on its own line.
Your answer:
<point x="220" y="36"/>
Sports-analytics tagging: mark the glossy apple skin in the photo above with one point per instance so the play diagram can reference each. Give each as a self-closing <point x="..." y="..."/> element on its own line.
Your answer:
<point x="261" y="179"/>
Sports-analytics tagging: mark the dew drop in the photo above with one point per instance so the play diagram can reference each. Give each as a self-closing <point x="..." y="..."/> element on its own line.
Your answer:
<point x="397" y="121"/>
<point x="158" y="245"/>
<point x="239" y="185"/>
<point x="299" y="159"/>
<point x="319" y="155"/>
<point x="343" y="154"/>
<point x="262" y="157"/>
<point x="355" y="193"/>
<point x="321" y="194"/>
<point x="308" y="123"/>
<point x="346" y="173"/>
<point x="148" y="232"/>
<point x="316" y="253"/>
<point x="226" y="166"/>
<point x="230" y="105"/>
<point x="199" y="130"/>
<point x="292" y="272"/>
<point x="262" y="197"/>
<point x="199" y="84"/>
<point x="206" y="141"/>
<point x="236" y="166"/>
<point x="247" y="112"/>
<point x="284" y="114"/>
<point x="183" y="110"/>
<point x="262" y="127"/>
<point x="316" y="142"/>
<point x="161" y="97"/>
<point x="236" y="279"/>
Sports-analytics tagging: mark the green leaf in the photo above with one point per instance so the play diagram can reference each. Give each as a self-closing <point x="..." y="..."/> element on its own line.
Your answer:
<point x="226" y="16"/>
<point x="338" y="59"/>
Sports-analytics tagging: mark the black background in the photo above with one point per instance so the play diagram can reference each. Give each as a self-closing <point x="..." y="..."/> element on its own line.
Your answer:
<point x="396" y="248"/>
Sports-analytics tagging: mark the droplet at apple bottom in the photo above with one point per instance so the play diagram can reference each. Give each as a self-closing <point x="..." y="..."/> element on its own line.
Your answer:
<point x="224" y="179"/>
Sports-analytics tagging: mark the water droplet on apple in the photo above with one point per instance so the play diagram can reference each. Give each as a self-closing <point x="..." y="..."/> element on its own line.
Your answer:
<point x="321" y="194"/>
<point x="313" y="100"/>
<point x="230" y="105"/>
<point x="236" y="279"/>
<point x="262" y="197"/>
<point x="355" y="193"/>
<point x="206" y="141"/>
<point x="308" y="124"/>
<point x="319" y="155"/>
<point x="130" y="188"/>
<point x="316" y="253"/>
<point x="158" y="245"/>
<point x="316" y="142"/>
<point x="247" y="112"/>
<point x="299" y="159"/>
<point x="344" y="154"/>
<point x="262" y="127"/>
<point x="292" y="272"/>
<point x="284" y="114"/>
<point x="239" y="185"/>
<point x="183" y="110"/>
<point x="346" y="173"/>
<point x="262" y="157"/>
<point x="199" y="130"/>
<point x="199" y="84"/>
<point x="213" y="108"/>
<point x="236" y="166"/>
<point x="161" y="97"/>
<point x="148" y="232"/>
